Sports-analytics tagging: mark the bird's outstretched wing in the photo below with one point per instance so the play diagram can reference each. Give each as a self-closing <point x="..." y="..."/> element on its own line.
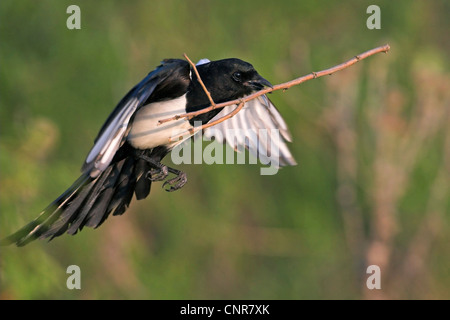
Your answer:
<point x="113" y="133"/>
<point x="259" y="128"/>
<point x="106" y="188"/>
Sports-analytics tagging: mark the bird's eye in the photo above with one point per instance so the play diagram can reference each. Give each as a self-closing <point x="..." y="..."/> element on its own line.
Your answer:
<point x="237" y="76"/>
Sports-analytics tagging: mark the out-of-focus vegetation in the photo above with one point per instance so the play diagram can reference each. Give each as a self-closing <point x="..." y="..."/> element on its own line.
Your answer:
<point x="372" y="143"/>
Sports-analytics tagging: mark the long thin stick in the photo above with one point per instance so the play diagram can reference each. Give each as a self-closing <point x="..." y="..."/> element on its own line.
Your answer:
<point x="213" y="104"/>
<point x="282" y="86"/>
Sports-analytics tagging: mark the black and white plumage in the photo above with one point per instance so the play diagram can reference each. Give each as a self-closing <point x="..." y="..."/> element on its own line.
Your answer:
<point x="127" y="153"/>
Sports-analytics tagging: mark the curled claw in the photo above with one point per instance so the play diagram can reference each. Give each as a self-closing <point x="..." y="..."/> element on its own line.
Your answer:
<point x="176" y="183"/>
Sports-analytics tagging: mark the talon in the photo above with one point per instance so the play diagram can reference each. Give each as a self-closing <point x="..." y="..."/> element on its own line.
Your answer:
<point x="176" y="183"/>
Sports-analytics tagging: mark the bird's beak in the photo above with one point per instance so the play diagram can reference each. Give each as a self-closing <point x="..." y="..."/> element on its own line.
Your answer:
<point x="259" y="83"/>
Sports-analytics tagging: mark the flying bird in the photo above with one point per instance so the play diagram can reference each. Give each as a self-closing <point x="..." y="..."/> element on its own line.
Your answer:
<point x="126" y="156"/>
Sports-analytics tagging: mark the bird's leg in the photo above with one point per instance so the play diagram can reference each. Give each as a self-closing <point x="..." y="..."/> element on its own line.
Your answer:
<point x="159" y="171"/>
<point x="175" y="183"/>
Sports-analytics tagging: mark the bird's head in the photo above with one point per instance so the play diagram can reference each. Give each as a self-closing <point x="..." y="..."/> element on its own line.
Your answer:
<point x="232" y="78"/>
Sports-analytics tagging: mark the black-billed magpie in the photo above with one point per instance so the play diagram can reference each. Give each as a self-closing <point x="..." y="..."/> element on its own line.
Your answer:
<point x="127" y="153"/>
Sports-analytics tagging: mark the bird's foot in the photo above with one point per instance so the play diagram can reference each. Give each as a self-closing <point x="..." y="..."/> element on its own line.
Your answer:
<point x="160" y="172"/>
<point x="175" y="183"/>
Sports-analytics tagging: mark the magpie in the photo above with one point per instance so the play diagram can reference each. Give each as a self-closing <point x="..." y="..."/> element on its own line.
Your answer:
<point x="126" y="156"/>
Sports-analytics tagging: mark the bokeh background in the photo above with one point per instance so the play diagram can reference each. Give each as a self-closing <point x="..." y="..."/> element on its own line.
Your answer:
<point x="372" y="144"/>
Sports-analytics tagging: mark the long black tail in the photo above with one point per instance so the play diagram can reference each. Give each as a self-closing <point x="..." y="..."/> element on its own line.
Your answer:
<point x="88" y="202"/>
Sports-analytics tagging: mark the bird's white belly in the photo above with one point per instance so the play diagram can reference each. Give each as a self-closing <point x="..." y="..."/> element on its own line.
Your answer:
<point x="145" y="131"/>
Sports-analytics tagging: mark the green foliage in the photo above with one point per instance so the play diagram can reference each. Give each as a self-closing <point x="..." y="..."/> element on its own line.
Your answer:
<point x="371" y="143"/>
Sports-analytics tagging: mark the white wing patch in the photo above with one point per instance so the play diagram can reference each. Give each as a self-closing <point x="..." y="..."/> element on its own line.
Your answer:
<point x="258" y="127"/>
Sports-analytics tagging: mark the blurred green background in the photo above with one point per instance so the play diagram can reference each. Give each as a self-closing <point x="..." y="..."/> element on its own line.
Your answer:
<point x="372" y="144"/>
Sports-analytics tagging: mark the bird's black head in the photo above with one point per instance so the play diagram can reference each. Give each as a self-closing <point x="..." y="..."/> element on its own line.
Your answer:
<point x="231" y="79"/>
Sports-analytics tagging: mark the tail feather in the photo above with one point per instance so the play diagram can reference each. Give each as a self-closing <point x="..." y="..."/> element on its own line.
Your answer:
<point x="35" y="228"/>
<point x="124" y="189"/>
<point x="94" y="194"/>
<point x="143" y="184"/>
<point x="65" y="214"/>
<point x="88" y="202"/>
<point x="102" y="208"/>
<point x="98" y="213"/>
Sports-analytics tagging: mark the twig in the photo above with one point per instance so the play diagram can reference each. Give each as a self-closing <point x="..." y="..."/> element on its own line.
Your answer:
<point x="282" y="86"/>
<point x="213" y="104"/>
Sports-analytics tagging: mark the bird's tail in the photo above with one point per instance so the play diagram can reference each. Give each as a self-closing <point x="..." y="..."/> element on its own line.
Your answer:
<point x="88" y="202"/>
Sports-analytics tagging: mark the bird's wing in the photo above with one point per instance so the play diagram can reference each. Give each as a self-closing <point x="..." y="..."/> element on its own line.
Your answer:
<point x="258" y="127"/>
<point x="113" y="133"/>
